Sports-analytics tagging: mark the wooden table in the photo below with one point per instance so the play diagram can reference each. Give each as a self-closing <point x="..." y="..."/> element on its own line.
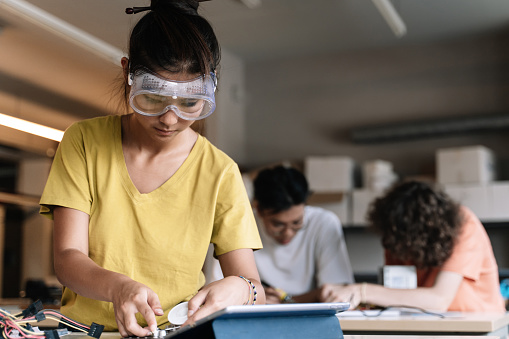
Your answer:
<point x="464" y="324"/>
<point x="369" y="336"/>
<point x="116" y="335"/>
<point x="453" y="326"/>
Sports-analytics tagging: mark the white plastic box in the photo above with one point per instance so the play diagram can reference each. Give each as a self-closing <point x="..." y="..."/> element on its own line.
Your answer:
<point x="327" y="174"/>
<point x="472" y="164"/>
<point x="399" y="276"/>
<point x="378" y="175"/>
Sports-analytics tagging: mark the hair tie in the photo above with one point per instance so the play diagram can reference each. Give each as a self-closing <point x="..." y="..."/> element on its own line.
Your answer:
<point x="134" y="10"/>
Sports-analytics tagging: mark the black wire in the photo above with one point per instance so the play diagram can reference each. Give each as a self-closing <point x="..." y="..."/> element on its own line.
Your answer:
<point x="380" y="311"/>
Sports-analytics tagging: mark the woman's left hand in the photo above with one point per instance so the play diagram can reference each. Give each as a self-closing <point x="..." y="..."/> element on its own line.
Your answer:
<point x="215" y="296"/>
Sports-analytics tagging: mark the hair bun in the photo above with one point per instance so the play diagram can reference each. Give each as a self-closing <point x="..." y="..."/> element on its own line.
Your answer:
<point x="193" y="4"/>
<point x="188" y="6"/>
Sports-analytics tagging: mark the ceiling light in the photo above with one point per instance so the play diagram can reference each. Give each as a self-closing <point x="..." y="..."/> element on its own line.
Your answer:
<point x="391" y="17"/>
<point x="31" y="127"/>
<point x="252" y="3"/>
<point x="62" y="28"/>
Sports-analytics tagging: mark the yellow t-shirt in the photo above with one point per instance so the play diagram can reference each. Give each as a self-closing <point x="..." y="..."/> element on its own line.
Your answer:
<point x="160" y="238"/>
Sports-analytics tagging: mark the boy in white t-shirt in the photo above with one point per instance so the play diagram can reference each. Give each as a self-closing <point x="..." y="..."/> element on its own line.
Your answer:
<point x="303" y="246"/>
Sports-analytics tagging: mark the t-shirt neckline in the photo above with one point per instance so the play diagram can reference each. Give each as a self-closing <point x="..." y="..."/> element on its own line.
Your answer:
<point x="128" y="184"/>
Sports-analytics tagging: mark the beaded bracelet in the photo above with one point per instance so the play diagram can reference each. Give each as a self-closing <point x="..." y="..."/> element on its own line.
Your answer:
<point x="252" y="289"/>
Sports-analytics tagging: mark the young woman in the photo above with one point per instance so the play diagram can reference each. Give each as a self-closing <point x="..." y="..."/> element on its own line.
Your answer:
<point x="421" y="226"/>
<point x="137" y="198"/>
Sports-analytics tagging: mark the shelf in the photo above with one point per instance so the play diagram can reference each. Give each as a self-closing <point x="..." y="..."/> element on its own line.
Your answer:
<point x="19" y="199"/>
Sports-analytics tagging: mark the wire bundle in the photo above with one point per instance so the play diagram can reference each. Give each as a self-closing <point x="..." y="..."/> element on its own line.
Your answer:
<point x="20" y="325"/>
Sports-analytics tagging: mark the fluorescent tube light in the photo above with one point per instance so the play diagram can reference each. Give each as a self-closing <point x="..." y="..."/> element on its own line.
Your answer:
<point x="31" y="127"/>
<point x="252" y="3"/>
<point x="391" y="17"/>
<point x="62" y="28"/>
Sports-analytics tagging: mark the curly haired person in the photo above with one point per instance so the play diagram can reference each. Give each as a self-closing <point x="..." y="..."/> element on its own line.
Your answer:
<point x="422" y="226"/>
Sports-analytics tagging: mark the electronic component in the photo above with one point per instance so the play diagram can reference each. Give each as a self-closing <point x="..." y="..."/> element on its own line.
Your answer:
<point x="20" y="325"/>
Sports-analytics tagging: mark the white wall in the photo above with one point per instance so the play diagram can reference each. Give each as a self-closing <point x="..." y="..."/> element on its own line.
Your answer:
<point x="308" y="106"/>
<point x="226" y="127"/>
<point x="301" y="107"/>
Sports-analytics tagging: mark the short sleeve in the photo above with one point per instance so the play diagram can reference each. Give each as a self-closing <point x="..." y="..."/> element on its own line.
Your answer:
<point x="68" y="183"/>
<point x="332" y="260"/>
<point x="468" y="253"/>
<point x="234" y="224"/>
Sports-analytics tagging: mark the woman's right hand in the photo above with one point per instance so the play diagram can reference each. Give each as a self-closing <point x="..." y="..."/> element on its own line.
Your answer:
<point x="131" y="297"/>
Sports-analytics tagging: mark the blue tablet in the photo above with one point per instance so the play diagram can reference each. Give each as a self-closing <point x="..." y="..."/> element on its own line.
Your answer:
<point x="266" y="321"/>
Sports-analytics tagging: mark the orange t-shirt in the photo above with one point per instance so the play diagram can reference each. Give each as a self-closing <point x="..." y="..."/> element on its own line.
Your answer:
<point x="473" y="258"/>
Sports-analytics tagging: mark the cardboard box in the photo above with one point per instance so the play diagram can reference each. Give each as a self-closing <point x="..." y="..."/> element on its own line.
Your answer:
<point x="489" y="202"/>
<point x="339" y="203"/>
<point x="472" y="164"/>
<point x="327" y="174"/>
<point x="473" y="196"/>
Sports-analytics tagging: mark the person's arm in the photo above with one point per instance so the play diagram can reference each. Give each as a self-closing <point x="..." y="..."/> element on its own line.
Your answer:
<point x="278" y="296"/>
<point x="333" y="263"/>
<point x="232" y="290"/>
<point x="75" y="270"/>
<point x="309" y="297"/>
<point x="435" y="298"/>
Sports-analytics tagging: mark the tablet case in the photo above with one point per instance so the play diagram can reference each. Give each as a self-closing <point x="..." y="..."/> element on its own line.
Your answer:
<point x="285" y="321"/>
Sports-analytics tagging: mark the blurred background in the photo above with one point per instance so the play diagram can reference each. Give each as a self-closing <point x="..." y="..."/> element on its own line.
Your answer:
<point x="347" y="81"/>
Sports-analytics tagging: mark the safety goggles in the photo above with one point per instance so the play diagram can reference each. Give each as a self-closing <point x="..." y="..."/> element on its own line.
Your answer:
<point x="153" y="95"/>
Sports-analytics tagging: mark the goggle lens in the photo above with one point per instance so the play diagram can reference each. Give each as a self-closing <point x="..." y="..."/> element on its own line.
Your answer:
<point x="154" y="104"/>
<point x="152" y="95"/>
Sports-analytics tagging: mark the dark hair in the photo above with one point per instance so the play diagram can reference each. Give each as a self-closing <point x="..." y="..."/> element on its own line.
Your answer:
<point x="417" y="223"/>
<point x="174" y="37"/>
<point x="279" y="188"/>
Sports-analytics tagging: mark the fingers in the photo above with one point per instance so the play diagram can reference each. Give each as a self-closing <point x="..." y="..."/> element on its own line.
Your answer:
<point x="332" y="297"/>
<point x="340" y="293"/>
<point x="272" y="292"/>
<point x="272" y="296"/>
<point x="199" y="313"/>
<point x="203" y="304"/>
<point x="196" y="302"/>
<point x="333" y="293"/>
<point x="121" y="328"/>
<point x="147" y="313"/>
<point x="271" y="299"/>
<point x="155" y="304"/>
<point x="193" y="305"/>
<point x="155" y="309"/>
<point x="132" y="299"/>
<point x="128" y="325"/>
<point x="325" y="292"/>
